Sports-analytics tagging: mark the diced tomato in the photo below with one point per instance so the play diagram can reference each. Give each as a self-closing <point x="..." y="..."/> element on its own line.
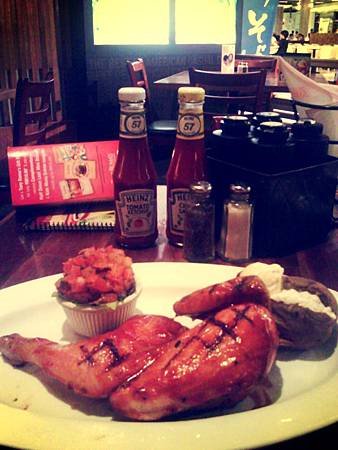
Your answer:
<point x="96" y="271"/>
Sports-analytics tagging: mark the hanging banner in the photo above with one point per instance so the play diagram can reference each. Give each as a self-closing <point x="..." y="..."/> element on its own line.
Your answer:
<point x="258" y="19"/>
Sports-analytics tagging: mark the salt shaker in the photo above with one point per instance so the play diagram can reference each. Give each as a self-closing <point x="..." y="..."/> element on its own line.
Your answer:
<point x="243" y="67"/>
<point x="199" y="224"/>
<point x="236" y="236"/>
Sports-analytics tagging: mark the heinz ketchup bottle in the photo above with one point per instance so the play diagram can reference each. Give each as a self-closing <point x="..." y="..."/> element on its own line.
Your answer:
<point x="188" y="163"/>
<point x="134" y="175"/>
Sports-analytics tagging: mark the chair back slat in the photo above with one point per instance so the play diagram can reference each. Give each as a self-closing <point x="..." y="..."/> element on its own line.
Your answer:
<point x="258" y="64"/>
<point x="36" y="116"/>
<point x="241" y="82"/>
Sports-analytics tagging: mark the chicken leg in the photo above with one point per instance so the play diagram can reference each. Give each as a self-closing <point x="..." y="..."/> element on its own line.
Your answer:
<point x="95" y="366"/>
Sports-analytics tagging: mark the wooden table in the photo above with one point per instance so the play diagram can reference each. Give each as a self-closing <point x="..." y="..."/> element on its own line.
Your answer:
<point x="29" y="255"/>
<point x="329" y="63"/>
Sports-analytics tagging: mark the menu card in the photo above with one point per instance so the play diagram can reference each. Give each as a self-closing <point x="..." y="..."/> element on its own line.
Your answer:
<point x="88" y="221"/>
<point x="62" y="173"/>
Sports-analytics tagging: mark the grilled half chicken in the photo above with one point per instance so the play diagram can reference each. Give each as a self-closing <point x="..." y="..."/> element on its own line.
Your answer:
<point x="216" y="362"/>
<point x="152" y="367"/>
<point x="95" y="366"/>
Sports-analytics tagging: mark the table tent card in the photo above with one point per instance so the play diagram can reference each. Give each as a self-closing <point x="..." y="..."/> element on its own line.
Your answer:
<point x="228" y="58"/>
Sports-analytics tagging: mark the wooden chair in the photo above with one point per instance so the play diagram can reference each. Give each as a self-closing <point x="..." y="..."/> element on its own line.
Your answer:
<point x="229" y="93"/>
<point x="138" y="77"/>
<point x="31" y="111"/>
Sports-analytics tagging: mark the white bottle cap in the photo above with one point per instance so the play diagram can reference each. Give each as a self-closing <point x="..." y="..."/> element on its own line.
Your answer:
<point x="191" y="94"/>
<point x="132" y="94"/>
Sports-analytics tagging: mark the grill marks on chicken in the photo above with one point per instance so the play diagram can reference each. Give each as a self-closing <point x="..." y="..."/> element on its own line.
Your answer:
<point x="107" y="344"/>
<point x="218" y="361"/>
<point x="95" y="366"/>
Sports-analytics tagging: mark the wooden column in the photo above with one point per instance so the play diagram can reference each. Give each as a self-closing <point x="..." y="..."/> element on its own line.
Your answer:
<point x="279" y="20"/>
<point x="304" y="17"/>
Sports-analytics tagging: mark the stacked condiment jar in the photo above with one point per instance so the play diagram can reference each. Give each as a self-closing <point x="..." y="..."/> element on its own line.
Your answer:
<point x="264" y="143"/>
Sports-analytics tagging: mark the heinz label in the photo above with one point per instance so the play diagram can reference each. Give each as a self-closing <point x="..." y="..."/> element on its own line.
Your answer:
<point x="190" y="125"/>
<point x="137" y="213"/>
<point x="132" y="125"/>
<point x="178" y="200"/>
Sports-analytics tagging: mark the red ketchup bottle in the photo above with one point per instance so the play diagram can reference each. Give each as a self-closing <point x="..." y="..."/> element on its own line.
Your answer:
<point x="134" y="175"/>
<point x="188" y="162"/>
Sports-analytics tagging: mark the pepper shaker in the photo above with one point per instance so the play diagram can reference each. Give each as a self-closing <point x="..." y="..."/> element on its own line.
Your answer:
<point x="236" y="236"/>
<point x="199" y="224"/>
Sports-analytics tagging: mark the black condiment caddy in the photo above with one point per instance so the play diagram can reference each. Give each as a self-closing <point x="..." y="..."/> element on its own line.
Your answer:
<point x="293" y="198"/>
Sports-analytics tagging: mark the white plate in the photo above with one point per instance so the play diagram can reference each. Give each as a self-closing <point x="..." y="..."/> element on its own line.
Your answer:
<point x="36" y="412"/>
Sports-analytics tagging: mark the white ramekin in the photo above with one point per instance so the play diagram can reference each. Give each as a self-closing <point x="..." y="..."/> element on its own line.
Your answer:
<point x="93" y="320"/>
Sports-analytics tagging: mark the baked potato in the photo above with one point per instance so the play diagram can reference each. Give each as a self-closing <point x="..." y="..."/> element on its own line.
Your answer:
<point x="300" y="327"/>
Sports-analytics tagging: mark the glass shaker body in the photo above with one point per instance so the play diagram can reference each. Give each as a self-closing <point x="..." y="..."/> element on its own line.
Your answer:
<point x="199" y="224"/>
<point x="134" y="176"/>
<point x="188" y="162"/>
<point x="236" y="235"/>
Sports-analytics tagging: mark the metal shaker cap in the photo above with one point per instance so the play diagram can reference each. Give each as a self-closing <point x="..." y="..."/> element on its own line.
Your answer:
<point x="201" y="188"/>
<point x="239" y="191"/>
